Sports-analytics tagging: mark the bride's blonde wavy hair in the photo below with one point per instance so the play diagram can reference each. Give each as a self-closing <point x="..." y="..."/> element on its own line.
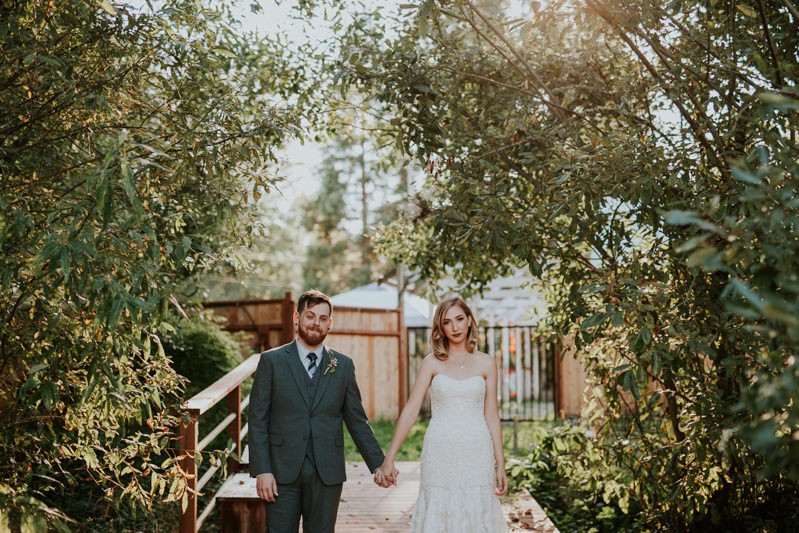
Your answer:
<point x="438" y="340"/>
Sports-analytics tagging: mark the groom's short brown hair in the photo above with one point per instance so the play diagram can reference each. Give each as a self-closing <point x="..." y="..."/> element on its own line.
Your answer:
<point x="313" y="297"/>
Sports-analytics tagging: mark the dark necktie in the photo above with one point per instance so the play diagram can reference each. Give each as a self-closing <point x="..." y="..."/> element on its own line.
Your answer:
<point x="312" y="364"/>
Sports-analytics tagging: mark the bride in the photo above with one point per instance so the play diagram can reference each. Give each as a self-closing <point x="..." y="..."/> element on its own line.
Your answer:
<point x="463" y="465"/>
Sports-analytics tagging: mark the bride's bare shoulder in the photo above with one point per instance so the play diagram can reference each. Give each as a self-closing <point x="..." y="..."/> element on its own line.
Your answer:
<point x="484" y="359"/>
<point x="430" y="360"/>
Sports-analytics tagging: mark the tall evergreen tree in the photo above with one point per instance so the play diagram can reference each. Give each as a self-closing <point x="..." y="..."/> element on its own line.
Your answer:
<point x="361" y="179"/>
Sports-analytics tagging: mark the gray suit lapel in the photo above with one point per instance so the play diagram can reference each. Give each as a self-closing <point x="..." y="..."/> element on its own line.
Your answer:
<point x="299" y="374"/>
<point x="324" y="379"/>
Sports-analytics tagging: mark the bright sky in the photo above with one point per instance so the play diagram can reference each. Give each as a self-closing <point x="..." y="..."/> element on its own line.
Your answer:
<point x="300" y="161"/>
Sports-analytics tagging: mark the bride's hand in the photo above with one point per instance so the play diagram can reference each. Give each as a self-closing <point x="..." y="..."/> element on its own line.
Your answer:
<point x="390" y="472"/>
<point x="502" y="481"/>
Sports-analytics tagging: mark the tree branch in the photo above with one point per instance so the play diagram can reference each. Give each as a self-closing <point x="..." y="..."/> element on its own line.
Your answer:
<point x="602" y="11"/>
<point x="792" y="8"/>
<point x="762" y="12"/>
<point x="526" y="92"/>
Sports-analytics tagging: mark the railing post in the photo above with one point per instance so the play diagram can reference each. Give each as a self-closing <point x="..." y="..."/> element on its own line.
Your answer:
<point x="234" y="429"/>
<point x="287" y="312"/>
<point x="188" y="435"/>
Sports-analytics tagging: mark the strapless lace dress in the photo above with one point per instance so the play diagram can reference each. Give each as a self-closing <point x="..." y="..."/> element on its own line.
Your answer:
<point x="456" y="491"/>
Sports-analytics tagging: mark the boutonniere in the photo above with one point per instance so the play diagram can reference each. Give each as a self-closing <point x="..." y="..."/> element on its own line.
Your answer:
<point x="332" y="363"/>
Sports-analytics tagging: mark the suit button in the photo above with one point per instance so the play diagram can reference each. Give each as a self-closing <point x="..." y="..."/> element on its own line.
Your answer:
<point x="305" y="437"/>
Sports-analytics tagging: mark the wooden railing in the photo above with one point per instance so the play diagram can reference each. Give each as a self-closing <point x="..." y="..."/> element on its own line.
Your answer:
<point x="226" y="388"/>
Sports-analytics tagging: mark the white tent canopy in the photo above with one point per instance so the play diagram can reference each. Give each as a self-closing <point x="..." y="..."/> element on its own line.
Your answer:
<point x="418" y="311"/>
<point x="510" y="300"/>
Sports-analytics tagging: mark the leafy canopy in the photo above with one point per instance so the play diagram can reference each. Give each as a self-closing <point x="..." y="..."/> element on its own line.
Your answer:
<point x="133" y="143"/>
<point x="641" y="158"/>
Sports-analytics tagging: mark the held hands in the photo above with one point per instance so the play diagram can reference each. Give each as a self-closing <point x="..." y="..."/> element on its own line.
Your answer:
<point x="386" y="475"/>
<point x="502" y="481"/>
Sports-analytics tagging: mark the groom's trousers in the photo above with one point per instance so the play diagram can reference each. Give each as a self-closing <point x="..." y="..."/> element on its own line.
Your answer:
<point x="307" y="495"/>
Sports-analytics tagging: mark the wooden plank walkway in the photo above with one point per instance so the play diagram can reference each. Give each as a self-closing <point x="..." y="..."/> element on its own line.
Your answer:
<point x="367" y="508"/>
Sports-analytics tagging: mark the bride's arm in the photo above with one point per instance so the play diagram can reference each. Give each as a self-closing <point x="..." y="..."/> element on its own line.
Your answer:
<point x="409" y="414"/>
<point x="494" y="425"/>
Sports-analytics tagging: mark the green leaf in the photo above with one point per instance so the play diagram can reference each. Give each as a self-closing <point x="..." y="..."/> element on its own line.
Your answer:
<point x="646" y="335"/>
<point x="656" y="366"/>
<point x="698" y="257"/>
<point x="682" y="218"/>
<point x="780" y="101"/>
<point x="38" y="368"/>
<point x="691" y="243"/>
<point x="764" y="436"/>
<point x="224" y="52"/>
<point x="65" y="264"/>
<point x="746" y="10"/>
<point x="776" y="312"/>
<point x="743" y="310"/>
<point x="629" y="384"/>
<point x="741" y="288"/>
<point x="745" y="176"/>
<point x="685" y="218"/>
<point x="129" y="187"/>
<point x="107" y="7"/>
<point x="534" y="266"/>
<point x="592" y="321"/>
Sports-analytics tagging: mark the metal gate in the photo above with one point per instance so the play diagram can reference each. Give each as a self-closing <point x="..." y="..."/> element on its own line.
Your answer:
<point x="525" y="363"/>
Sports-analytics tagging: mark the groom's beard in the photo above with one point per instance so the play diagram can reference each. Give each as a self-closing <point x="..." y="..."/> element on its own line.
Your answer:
<point x="312" y="337"/>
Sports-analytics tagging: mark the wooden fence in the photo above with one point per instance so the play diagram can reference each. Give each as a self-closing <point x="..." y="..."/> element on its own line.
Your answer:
<point x="264" y="323"/>
<point x="374" y="340"/>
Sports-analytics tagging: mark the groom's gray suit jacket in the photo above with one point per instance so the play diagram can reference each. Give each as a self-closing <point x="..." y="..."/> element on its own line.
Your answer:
<point x="291" y="416"/>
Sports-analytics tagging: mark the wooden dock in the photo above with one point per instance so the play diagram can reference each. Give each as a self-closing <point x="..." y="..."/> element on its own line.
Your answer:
<point x="367" y="508"/>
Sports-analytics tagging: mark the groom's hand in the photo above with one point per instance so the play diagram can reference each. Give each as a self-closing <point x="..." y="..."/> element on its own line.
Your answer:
<point x="266" y="486"/>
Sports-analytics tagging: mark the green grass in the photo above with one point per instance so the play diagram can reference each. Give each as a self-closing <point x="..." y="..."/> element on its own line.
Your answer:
<point x="410" y="450"/>
<point x="527" y="435"/>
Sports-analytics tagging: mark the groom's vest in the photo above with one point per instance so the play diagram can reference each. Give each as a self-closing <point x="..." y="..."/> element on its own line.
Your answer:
<point x="313" y="387"/>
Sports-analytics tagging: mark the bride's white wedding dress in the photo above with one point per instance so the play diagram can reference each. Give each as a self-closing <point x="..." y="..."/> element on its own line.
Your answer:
<point x="457" y="482"/>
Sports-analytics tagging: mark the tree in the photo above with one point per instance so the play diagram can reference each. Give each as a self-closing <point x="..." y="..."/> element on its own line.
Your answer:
<point x="269" y="267"/>
<point x="132" y="145"/>
<point x="641" y="156"/>
<point x="362" y="177"/>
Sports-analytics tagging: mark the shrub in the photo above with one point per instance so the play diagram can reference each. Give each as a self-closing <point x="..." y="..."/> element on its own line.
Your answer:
<point x="568" y="474"/>
<point x="202" y="352"/>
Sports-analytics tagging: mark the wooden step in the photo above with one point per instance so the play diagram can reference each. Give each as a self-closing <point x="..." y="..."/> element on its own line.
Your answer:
<point x="240" y="508"/>
<point x="244" y="461"/>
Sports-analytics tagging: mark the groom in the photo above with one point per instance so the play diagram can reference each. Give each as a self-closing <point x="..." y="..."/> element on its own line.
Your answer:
<point x="301" y="394"/>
